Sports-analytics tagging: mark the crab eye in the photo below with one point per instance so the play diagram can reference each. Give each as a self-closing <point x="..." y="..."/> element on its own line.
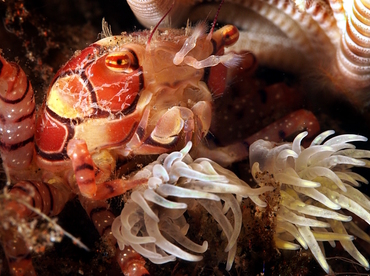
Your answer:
<point x="122" y="62"/>
<point x="230" y="34"/>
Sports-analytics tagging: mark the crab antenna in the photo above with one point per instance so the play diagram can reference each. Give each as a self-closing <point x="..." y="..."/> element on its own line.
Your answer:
<point x="215" y="20"/>
<point x="106" y="29"/>
<point x="156" y="26"/>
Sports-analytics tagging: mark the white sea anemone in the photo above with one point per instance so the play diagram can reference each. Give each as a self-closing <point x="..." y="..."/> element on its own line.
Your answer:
<point x="152" y="221"/>
<point x="316" y="184"/>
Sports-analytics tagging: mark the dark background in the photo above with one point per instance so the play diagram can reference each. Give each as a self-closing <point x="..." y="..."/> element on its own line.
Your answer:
<point x="42" y="35"/>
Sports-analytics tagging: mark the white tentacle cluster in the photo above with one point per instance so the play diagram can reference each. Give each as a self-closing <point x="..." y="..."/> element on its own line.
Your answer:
<point x="152" y="221"/>
<point x="316" y="184"/>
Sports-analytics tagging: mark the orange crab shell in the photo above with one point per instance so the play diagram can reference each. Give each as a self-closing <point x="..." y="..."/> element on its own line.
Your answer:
<point x="87" y="99"/>
<point x="116" y="93"/>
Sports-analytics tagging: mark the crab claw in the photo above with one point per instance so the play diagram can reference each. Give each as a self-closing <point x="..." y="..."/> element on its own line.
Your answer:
<point x="170" y="125"/>
<point x="85" y="169"/>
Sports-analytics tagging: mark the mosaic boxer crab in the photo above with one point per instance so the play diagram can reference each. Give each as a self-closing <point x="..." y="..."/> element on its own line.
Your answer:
<point x="138" y="94"/>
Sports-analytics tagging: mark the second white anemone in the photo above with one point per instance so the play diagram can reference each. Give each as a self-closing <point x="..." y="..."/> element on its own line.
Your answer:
<point x="316" y="183"/>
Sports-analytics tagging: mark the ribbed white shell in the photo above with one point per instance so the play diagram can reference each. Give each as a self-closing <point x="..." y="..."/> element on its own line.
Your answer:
<point x="150" y="12"/>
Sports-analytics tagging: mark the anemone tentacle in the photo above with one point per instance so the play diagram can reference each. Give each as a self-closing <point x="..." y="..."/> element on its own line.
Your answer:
<point x="312" y="214"/>
<point x="152" y="220"/>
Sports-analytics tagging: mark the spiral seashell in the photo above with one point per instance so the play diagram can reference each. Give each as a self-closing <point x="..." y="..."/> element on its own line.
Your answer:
<point x="338" y="13"/>
<point x="354" y="53"/>
<point x="150" y="12"/>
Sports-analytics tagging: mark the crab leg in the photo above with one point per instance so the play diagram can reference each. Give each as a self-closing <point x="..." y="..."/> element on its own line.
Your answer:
<point x="48" y="199"/>
<point x="84" y="169"/>
<point x="285" y="127"/>
<point x="131" y="262"/>
<point x="17" y="118"/>
<point x="17" y="253"/>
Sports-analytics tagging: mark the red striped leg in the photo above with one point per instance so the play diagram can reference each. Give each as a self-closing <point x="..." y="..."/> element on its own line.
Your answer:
<point x="288" y="126"/>
<point x="278" y="131"/>
<point x="131" y="263"/>
<point x="101" y="216"/>
<point x="17" y="253"/>
<point x="48" y="199"/>
<point x="84" y="169"/>
<point x="17" y="118"/>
